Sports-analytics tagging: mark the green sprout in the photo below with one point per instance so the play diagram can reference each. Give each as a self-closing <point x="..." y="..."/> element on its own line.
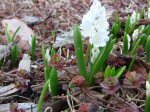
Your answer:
<point x="44" y="91"/>
<point x="112" y="72"/>
<point x="128" y="25"/>
<point x="33" y="46"/>
<point x="52" y="85"/>
<point x="125" y="44"/>
<point x="147" y="49"/>
<point x="14" y="54"/>
<point x="7" y="31"/>
<point x="115" y="28"/>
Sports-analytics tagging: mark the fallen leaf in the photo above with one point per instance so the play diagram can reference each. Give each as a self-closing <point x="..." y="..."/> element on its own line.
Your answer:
<point x="7" y="90"/>
<point x="25" y="63"/>
<point x="24" y="106"/>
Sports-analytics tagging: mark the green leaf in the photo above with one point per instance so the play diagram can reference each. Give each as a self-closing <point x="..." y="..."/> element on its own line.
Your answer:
<point x="41" y="100"/>
<point x="147" y="49"/>
<point x="7" y="31"/>
<point x="125" y="44"/>
<point x="112" y="73"/>
<point x="14" y="54"/>
<point x="33" y="46"/>
<point x="79" y="52"/>
<point x="132" y="62"/>
<point x="54" y="82"/>
<point x="127" y="26"/>
<point x="47" y="72"/>
<point x="15" y="34"/>
<point x="120" y="71"/>
<point x="103" y="55"/>
<point x="107" y="72"/>
<point x="143" y="38"/>
<point x="147" y="30"/>
<point x="135" y="46"/>
<point x="43" y="54"/>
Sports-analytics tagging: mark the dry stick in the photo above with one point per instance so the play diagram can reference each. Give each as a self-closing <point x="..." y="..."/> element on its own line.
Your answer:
<point x="120" y="99"/>
<point x="100" y="103"/>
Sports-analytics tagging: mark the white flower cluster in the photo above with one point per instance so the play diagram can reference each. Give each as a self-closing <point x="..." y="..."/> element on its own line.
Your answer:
<point x="95" y="26"/>
<point x="134" y="17"/>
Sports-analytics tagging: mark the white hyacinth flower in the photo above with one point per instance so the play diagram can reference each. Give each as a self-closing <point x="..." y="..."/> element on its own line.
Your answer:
<point x="99" y="39"/>
<point x="135" y="34"/>
<point x="95" y="25"/>
<point x="147" y="88"/>
<point x="95" y="52"/>
<point x="47" y="56"/>
<point x="134" y="17"/>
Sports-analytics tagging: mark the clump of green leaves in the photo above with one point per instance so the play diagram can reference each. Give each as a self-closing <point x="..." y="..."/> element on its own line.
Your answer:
<point x="14" y="54"/>
<point x="9" y="37"/>
<point x="98" y="63"/>
<point x="112" y="72"/>
<point x="51" y="77"/>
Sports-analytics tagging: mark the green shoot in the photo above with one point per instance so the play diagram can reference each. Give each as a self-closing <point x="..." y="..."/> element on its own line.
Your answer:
<point x="33" y="47"/>
<point x="7" y="31"/>
<point x="132" y="62"/>
<point x="125" y="44"/>
<point x="14" y="54"/>
<point x="115" y="28"/>
<point x="127" y="26"/>
<point x="47" y="71"/>
<point x="54" y="82"/>
<point x="79" y="52"/>
<point x="112" y="72"/>
<point x="147" y="49"/>
<point x="44" y="91"/>
<point x="135" y="46"/>
<point x="43" y="54"/>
